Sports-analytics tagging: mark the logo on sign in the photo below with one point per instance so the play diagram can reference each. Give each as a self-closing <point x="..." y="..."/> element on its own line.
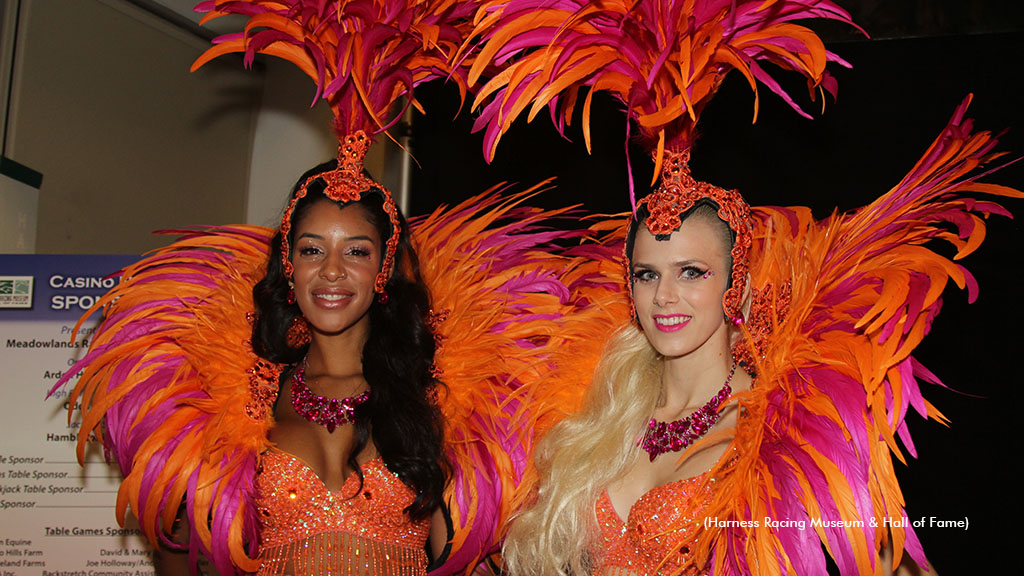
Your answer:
<point x="16" y="291"/>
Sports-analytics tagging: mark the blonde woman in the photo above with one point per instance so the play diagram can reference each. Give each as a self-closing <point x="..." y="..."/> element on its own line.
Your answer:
<point x="661" y="381"/>
<point x="744" y="421"/>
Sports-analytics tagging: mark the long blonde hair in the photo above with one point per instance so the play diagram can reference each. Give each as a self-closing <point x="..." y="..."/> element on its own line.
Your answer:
<point x="581" y="456"/>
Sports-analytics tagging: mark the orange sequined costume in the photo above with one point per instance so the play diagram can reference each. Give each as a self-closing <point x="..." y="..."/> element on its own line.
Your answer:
<point x="309" y="530"/>
<point x="646" y="543"/>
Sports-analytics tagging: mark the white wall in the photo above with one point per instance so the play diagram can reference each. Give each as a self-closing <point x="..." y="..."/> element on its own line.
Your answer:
<point x="127" y="140"/>
<point x="290" y="138"/>
<point x="19" y="209"/>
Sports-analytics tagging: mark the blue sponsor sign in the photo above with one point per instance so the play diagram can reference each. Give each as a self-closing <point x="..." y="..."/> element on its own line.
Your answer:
<point x="55" y="287"/>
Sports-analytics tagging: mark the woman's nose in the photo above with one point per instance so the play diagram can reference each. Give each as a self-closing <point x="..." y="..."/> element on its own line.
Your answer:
<point x="333" y="269"/>
<point x="664" y="294"/>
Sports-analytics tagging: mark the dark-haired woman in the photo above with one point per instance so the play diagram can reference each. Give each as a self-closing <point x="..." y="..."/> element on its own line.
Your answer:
<point x="351" y="471"/>
<point x="356" y="469"/>
<point x="277" y="391"/>
<point x="322" y="377"/>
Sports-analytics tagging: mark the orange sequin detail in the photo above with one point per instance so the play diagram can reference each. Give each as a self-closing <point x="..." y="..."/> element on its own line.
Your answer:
<point x="307" y="530"/>
<point x="299" y="333"/>
<point x="768" y="308"/>
<point x="263" y="387"/>
<point x="434" y="321"/>
<point x="657" y="536"/>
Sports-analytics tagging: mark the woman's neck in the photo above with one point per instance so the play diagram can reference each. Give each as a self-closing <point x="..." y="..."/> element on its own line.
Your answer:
<point x="689" y="381"/>
<point x="338" y="355"/>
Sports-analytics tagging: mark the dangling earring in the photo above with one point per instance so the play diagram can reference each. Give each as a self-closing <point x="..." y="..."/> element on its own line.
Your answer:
<point x="298" y="332"/>
<point x="382" y="297"/>
<point x="738" y="319"/>
<point x="291" y="293"/>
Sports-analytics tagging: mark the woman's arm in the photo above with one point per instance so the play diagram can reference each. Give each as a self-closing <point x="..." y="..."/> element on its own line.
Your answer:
<point x="174" y="562"/>
<point x="171" y="562"/>
<point x="440" y="536"/>
<point x="907" y="566"/>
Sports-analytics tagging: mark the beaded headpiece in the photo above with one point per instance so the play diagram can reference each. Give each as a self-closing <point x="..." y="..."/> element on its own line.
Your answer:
<point x="347" y="183"/>
<point x="677" y="194"/>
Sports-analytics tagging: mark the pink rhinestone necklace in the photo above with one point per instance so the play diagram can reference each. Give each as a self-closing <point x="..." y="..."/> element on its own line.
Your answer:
<point x="327" y="412"/>
<point x="664" y="437"/>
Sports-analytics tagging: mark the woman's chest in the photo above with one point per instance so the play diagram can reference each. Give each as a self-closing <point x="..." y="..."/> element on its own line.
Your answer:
<point x="293" y="502"/>
<point x="657" y="533"/>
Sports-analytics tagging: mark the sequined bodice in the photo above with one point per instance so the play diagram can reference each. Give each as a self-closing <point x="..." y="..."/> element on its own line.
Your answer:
<point x="352" y="531"/>
<point x="649" y="541"/>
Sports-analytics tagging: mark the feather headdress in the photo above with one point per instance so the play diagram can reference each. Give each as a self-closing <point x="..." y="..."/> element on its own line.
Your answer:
<point x="363" y="54"/>
<point x="663" y="59"/>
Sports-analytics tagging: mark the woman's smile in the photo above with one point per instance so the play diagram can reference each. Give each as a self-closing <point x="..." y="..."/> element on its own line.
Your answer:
<point x="332" y="298"/>
<point x="671" y="322"/>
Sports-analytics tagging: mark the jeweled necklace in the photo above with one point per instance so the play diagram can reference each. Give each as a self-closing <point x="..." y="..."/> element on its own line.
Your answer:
<point x="327" y="412"/>
<point x="664" y="437"/>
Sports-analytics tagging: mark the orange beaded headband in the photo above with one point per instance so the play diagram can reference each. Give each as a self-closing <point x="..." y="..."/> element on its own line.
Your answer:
<point x="347" y="183"/>
<point x="678" y="193"/>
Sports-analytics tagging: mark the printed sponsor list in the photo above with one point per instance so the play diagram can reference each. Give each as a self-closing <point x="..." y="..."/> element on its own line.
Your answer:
<point x="57" y="516"/>
<point x="22" y="555"/>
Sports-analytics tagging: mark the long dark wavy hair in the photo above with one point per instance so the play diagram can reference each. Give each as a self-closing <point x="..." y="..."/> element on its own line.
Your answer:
<point x="406" y="423"/>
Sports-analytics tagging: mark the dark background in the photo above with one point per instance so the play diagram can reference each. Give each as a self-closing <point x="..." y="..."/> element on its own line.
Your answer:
<point x="923" y="58"/>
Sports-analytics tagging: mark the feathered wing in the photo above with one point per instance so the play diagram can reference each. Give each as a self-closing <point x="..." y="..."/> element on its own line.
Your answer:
<point x="362" y="54"/>
<point x="663" y="59"/>
<point x="165" y="387"/>
<point x="503" y="297"/>
<point x="839" y="306"/>
<point x="169" y="388"/>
